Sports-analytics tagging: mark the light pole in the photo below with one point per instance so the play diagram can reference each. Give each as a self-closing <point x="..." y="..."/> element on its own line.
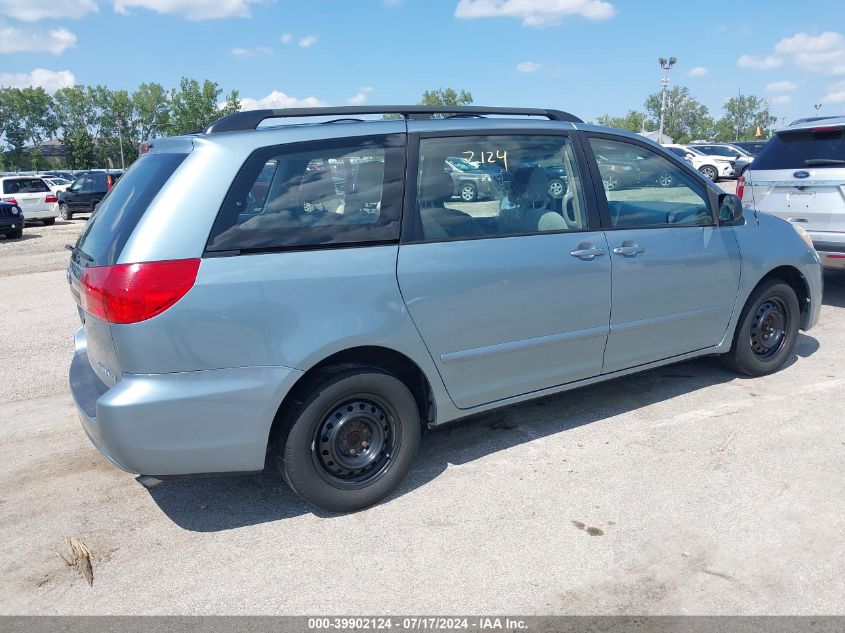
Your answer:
<point x="818" y="107"/>
<point x="120" y="137"/>
<point x="666" y="65"/>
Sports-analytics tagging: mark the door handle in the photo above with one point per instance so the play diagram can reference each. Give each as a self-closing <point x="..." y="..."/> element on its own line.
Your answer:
<point x="629" y="248"/>
<point x="587" y="251"/>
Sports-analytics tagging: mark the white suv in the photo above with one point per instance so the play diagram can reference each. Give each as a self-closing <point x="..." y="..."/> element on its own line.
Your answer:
<point x="33" y="195"/>
<point x="712" y="167"/>
<point x="800" y="176"/>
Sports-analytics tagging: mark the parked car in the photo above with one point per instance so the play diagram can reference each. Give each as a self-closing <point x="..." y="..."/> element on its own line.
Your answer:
<point x="324" y="341"/>
<point x="621" y="171"/>
<point x="56" y="184"/>
<point x="740" y="160"/>
<point x="752" y="148"/>
<point x="33" y="195"/>
<point x="712" y="167"/>
<point x="86" y="193"/>
<point x="800" y="176"/>
<point x="11" y="220"/>
<point x="66" y="175"/>
<point x="473" y="181"/>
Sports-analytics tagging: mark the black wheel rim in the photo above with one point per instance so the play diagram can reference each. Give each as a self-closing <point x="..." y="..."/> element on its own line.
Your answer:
<point x="769" y="328"/>
<point x="355" y="442"/>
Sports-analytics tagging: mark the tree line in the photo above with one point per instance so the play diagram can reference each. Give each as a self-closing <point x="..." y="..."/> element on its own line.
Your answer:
<point x="686" y="119"/>
<point x="93" y="122"/>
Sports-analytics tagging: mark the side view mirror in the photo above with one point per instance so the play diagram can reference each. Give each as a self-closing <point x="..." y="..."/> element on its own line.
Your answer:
<point x="730" y="208"/>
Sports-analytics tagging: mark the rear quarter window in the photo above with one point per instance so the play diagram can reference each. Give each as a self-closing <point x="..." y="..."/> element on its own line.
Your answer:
<point x="119" y="213"/>
<point x="799" y="150"/>
<point x="316" y="194"/>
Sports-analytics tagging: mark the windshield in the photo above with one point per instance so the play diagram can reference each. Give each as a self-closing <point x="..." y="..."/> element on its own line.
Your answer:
<point x="820" y="149"/>
<point x="718" y="150"/>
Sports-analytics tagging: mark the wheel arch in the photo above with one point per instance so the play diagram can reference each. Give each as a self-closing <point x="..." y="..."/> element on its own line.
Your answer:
<point x="389" y="360"/>
<point x="793" y="277"/>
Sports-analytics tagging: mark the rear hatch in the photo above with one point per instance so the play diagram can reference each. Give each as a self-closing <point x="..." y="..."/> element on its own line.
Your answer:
<point x="800" y="176"/>
<point x="99" y="247"/>
<point x="30" y="194"/>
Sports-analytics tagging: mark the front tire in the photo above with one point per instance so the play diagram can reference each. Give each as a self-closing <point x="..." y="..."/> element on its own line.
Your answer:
<point x="469" y="192"/>
<point x="557" y="188"/>
<point x="65" y="212"/>
<point x="15" y="234"/>
<point x="709" y="172"/>
<point x="350" y="440"/>
<point x="767" y="330"/>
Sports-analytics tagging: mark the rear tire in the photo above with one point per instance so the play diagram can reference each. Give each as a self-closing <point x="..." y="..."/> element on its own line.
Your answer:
<point x="351" y="438"/>
<point x="65" y="212"/>
<point x="49" y="221"/>
<point x="767" y="331"/>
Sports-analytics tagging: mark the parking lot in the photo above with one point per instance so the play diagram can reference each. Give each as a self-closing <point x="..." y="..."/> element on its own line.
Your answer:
<point x="681" y="490"/>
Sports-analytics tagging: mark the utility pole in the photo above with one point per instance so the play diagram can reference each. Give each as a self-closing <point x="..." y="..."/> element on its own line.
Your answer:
<point x="120" y="136"/>
<point x="666" y="65"/>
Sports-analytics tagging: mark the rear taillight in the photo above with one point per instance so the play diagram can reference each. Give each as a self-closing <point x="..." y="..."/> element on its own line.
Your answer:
<point x="12" y="200"/>
<point x="740" y="186"/>
<point x="128" y="293"/>
<point x="50" y="199"/>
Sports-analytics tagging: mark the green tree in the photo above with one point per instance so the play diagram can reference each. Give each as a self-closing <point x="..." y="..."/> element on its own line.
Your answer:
<point x="685" y="120"/>
<point x="152" y="107"/>
<point x="79" y="149"/>
<point x="28" y="117"/>
<point x="194" y="106"/>
<point x="446" y="97"/>
<point x="634" y="121"/>
<point x="742" y="115"/>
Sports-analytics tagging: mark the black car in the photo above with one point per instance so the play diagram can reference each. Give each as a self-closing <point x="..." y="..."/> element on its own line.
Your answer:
<point x="86" y="192"/>
<point x="11" y="220"/>
<point x="752" y="147"/>
<point x="473" y="181"/>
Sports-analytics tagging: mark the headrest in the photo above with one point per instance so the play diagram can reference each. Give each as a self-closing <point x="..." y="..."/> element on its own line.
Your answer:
<point x="317" y="187"/>
<point x="437" y="188"/>
<point x="369" y="181"/>
<point x="530" y="184"/>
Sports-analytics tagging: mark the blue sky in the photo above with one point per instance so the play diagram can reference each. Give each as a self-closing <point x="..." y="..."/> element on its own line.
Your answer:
<point x="586" y="56"/>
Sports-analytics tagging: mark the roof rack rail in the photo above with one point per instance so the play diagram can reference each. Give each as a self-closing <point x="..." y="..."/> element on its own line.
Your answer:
<point x="251" y="119"/>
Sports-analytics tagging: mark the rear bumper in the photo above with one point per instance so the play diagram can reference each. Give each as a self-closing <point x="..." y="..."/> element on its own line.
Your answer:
<point x="53" y="212"/>
<point x="831" y="249"/>
<point x="182" y="423"/>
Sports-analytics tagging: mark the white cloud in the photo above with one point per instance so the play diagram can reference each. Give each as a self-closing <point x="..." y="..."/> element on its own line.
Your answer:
<point x="781" y="86"/>
<point x="258" y="51"/>
<point x="698" y="71"/>
<point x="286" y="38"/>
<point x="48" y="79"/>
<point x="835" y="93"/>
<point x="824" y="54"/>
<point x="34" y="10"/>
<point x="278" y="99"/>
<point x="781" y="100"/>
<point x="535" y="12"/>
<point x="528" y="67"/>
<point x="759" y="62"/>
<point x="360" y="97"/>
<point x="191" y="9"/>
<point x="307" y="41"/>
<point x="15" y="40"/>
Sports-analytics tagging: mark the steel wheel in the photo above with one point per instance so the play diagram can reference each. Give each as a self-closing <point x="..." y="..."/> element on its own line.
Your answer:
<point x="355" y="442"/>
<point x="768" y="328"/>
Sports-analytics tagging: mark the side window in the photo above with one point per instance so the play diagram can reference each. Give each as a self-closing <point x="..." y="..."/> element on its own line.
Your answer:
<point x="644" y="189"/>
<point x="77" y="184"/>
<point x="477" y="186"/>
<point x="323" y="193"/>
<point x="87" y="185"/>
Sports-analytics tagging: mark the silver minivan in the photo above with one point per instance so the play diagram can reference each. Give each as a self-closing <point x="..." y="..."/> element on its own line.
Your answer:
<point x="316" y="294"/>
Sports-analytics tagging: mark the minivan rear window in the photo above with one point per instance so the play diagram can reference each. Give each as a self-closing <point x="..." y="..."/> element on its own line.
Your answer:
<point x="818" y="149"/>
<point x="120" y="211"/>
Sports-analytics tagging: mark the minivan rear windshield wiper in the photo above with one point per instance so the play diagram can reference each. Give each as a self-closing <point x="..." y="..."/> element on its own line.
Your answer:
<point x="824" y="161"/>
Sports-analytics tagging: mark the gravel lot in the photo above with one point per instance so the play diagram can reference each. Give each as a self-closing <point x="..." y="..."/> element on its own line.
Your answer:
<point x="683" y="490"/>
